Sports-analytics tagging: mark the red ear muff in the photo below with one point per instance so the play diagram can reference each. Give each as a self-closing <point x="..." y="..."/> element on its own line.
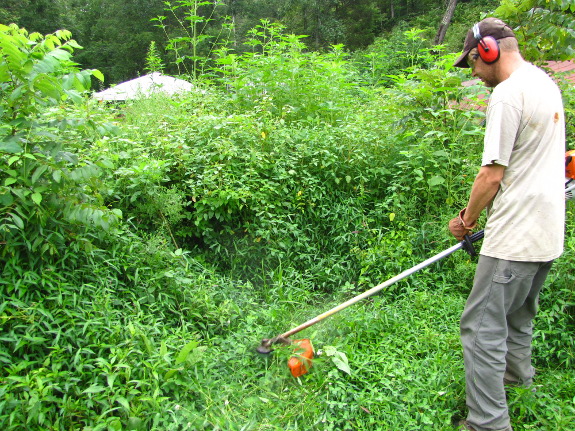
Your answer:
<point x="487" y="46"/>
<point x="488" y="49"/>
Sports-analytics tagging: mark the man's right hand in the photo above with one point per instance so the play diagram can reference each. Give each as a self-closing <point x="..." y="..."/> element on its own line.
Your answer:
<point x="457" y="229"/>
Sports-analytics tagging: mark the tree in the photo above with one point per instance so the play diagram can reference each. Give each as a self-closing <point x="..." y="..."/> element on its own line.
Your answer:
<point x="446" y="20"/>
<point x="10" y="10"/>
<point x="315" y="19"/>
<point x="361" y="20"/>
<point x="545" y="28"/>
<point x="116" y="36"/>
<point x="41" y="16"/>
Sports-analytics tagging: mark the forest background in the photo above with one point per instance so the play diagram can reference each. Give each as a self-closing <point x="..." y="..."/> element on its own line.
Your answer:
<point x="116" y="35"/>
<point x="147" y="247"/>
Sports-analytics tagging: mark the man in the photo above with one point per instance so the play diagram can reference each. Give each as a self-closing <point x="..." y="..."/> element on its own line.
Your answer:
<point x="521" y="184"/>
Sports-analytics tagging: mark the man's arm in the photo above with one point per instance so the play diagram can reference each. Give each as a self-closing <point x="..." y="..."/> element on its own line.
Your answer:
<point x="485" y="187"/>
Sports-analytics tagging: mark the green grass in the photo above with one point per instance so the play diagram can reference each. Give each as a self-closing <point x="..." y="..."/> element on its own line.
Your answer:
<point x="121" y="353"/>
<point x="406" y="372"/>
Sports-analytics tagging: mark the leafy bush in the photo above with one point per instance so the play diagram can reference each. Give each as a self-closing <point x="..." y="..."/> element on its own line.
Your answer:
<point x="48" y="190"/>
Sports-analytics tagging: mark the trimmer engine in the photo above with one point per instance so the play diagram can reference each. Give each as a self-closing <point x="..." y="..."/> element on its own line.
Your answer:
<point x="570" y="175"/>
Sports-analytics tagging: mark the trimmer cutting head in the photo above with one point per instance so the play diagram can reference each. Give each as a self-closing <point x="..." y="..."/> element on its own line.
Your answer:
<point x="265" y="348"/>
<point x="301" y="360"/>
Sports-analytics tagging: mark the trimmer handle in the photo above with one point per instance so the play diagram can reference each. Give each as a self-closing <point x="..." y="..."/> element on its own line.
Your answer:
<point x="467" y="243"/>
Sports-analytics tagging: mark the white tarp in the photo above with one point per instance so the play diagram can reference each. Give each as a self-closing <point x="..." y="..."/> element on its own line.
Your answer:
<point x="145" y="86"/>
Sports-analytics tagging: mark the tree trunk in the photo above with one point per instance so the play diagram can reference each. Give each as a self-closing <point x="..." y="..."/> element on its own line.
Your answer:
<point x="445" y="22"/>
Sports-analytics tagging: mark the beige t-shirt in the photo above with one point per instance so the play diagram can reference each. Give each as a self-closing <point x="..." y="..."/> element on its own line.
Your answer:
<point x="526" y="133"/>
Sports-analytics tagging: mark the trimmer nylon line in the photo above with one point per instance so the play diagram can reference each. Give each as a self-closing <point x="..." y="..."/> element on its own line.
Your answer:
<point x="404" y="274"/>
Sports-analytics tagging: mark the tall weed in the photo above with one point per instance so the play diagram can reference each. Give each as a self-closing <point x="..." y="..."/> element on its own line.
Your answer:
<point x="279" y="77"/>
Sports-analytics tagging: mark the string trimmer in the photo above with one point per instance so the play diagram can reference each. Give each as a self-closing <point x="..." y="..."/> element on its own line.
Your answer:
<point x="300" y="363"/>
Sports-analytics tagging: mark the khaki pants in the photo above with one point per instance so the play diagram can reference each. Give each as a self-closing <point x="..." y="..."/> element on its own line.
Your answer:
<point x="496" y="333"/>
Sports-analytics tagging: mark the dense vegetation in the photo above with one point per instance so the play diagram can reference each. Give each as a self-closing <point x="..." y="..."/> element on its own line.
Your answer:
<point x="148" y="247"/>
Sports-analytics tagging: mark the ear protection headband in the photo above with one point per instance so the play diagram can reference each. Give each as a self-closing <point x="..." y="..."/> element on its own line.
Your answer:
<point x="487" y="46"/>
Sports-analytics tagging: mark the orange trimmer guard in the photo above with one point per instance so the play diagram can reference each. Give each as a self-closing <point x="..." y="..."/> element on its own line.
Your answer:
<point x="300" y="362"/>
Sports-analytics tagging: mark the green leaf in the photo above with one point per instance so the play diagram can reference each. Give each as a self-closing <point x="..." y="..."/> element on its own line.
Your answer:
<point x="17" y="221"/>
<point x="37" y="198"/>
<point x="6" y="199"/>
<point x="135" y="424"/>
<point x="94" y="389"/>
<point x="183" y="355"/>
<point x="115" y="425"/>
<point x="10" y="147"/>
<point x="117" y="212"/>
<point x="46" y="65"/>
<point x="74" y="95"/>
<point x="123" y="402"/>
<point x="435" y="181"/>
<point x="441" y="153"/>
<point x="38" y="173"/>
<point x="57" y="175"/>
<point x="97" y="74"/>
<point x="338" y="358"/>
<point x="170" y="373"/>
<point x="49" y="86"/>
<point x="105" y="163"/>
<point x="60" y="54"/>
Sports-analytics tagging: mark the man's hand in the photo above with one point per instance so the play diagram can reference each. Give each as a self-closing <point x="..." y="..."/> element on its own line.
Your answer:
<point x="457" y="229"/>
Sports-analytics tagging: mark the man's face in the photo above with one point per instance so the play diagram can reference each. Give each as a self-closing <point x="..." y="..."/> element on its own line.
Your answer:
<point x="480" y="69"/>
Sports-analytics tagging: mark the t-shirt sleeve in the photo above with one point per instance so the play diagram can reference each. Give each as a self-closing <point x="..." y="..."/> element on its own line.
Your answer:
<point x="503" y="124"/>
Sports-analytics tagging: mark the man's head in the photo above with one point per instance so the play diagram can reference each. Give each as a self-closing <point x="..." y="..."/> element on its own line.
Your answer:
<point x="485" y="39"/>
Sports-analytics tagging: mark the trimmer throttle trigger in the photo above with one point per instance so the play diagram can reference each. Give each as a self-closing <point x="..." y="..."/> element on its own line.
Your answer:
<point x="467" y="243"/>
<point x="468" y="246"/>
